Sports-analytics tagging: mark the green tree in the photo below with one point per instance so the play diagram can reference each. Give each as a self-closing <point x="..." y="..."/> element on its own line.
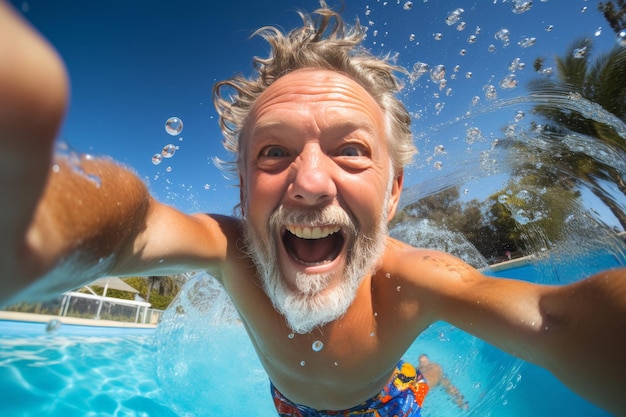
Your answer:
<point x="614" y="15"/>
<point x="584" y="108"/>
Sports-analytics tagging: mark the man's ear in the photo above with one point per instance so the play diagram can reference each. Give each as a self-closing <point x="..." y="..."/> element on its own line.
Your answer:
<point x="394" y="196"/>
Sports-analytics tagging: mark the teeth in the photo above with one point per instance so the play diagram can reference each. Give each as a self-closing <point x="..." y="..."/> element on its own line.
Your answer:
<point x="312" y="232"/>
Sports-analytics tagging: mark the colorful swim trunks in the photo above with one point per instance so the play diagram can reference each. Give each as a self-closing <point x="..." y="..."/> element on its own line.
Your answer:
<point x="401" y="397"/>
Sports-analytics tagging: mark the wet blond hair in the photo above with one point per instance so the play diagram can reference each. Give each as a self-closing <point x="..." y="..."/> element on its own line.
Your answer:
<point x="323" y="42"/>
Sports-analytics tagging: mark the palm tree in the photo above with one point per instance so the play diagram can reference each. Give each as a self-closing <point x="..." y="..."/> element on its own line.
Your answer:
<point x="585" y="110"/>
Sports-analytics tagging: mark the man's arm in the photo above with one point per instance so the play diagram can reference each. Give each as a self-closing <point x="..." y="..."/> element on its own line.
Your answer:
<point x="68" y="220"/>
<point x="574" y="331"/>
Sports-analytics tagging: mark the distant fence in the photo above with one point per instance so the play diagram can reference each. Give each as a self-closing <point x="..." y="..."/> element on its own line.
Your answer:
<point x="82" y="305"/>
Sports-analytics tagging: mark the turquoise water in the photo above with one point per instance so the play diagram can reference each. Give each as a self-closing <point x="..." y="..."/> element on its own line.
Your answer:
<point x="204" y="365"/>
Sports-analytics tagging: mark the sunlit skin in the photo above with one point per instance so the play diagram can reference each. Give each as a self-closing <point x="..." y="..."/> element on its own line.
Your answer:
<point x="314" y="138"/>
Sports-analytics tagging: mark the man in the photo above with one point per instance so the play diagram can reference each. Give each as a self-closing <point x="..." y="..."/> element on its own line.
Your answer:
<point x="433" y="373"/>
<point x="329" y="301"/>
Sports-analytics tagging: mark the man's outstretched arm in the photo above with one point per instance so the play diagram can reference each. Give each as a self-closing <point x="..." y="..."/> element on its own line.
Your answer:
<point x="66" y="220"/>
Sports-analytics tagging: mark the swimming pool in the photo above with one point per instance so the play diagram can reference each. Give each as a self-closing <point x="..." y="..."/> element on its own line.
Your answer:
<point x="201" y="363"/>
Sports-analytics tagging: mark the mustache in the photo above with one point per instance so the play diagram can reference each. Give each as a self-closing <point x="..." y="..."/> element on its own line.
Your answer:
<point x="330" y="215"/>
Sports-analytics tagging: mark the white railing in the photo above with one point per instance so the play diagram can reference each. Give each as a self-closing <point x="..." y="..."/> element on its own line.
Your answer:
<point x="139" y="308"/>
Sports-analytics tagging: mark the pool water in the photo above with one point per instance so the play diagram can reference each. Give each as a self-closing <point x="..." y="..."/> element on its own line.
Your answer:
<point x="201" y="363"/>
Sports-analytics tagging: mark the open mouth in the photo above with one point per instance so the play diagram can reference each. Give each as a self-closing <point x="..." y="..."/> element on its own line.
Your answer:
<point x="313" y="245"/>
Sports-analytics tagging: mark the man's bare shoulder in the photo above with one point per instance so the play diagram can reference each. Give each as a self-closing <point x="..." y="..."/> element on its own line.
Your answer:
<point x="430" y="272"/>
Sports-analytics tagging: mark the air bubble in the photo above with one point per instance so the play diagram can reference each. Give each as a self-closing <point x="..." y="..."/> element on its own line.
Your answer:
<point x="290" y="335"/>
<point x="174" y="126"/>
<point x="302" y="363"/>
<point x="317" y="346"/>
<point x="157" y="158"/>
<point x="408" y="5"/>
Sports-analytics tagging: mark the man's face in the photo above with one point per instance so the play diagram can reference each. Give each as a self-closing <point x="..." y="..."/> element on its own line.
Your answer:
<point x="317" y="192"/>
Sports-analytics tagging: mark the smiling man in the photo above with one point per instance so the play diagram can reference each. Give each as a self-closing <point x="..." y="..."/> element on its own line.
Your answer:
<point x="329" y="301"/>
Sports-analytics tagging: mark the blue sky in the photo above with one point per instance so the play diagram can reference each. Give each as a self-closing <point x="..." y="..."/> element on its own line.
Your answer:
<point x="134" y="64"/>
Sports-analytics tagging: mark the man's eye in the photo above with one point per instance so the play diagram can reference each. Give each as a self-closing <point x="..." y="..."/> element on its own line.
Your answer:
<point x="273" y="152"/>
<point x="352" y="151"/>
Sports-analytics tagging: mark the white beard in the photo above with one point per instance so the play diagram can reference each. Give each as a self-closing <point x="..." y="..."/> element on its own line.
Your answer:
<point x="313" y="304"/>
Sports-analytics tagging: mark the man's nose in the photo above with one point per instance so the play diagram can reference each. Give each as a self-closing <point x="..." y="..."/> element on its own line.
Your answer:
<point x="312" y="178"/>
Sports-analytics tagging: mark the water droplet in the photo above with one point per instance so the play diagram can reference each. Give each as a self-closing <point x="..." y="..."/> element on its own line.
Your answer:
<point x="503" y="198"/>
<point x="549" y="28"/>
<point x="53" y="325"/>
<point x="516" y="64"/>
<point x="491" y="48"/>
<point x="317" y="346"/>
<point x="519" y="116"/>
<point x="471" y="39"/>
<point x="438" y="36"/>
<point x="579" y="53"/>
<point x="302" y="363"/>
<point x="461" y="26"/>
<point x="436" y="165"/>
<point x="387" y="275"/>
<point x="207" y="186"/>
<point x="440" y="149"/>
<point x="290" y="335"/>
<point x="398" y="288"/>
<point x="438" y="74"/>
<point x="454" y="16"/>
<point x="168" y="151"/>
<point x="508" y="82"/>
<point x="157" y="158"/>
<point x="598" y="31"/>
<point x="372" y="334"/>
<point x="472" y="134"/>
<point x="336" y="364"/>
<point x="468" y="75"/>
<point x="527" y="42"/>
<point x="174" y="126"/>
<point x="375" y="314"/>
<point x="503" y="36"/>
<point x="411" y="37"/>
<point x="521" y="6"/>
<point x="408" y="5"/>
<point x="490" y="92"/>
<point x="621" y="38"/>
<point x="168" y="169"/>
